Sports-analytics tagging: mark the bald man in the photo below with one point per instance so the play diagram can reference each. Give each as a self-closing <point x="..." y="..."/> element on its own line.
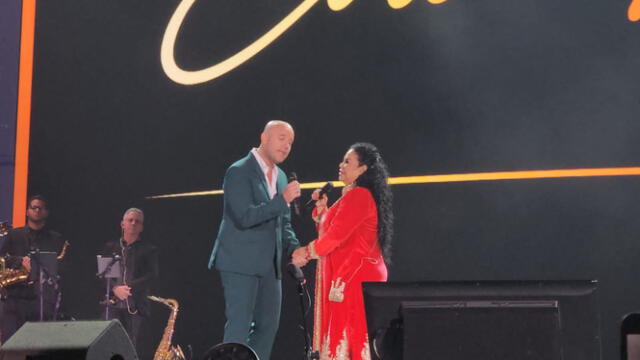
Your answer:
<point x="254" y="235"/>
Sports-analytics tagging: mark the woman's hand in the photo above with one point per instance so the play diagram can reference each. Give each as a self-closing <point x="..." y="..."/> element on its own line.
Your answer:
<point x="321" y="202"/>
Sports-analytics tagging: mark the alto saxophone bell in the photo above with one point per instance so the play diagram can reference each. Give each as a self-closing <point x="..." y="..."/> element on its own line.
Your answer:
<point x="165" y="350"/>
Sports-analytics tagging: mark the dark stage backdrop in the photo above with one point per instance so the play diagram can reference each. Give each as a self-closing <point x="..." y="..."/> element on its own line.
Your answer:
<point x="465" y="86"/>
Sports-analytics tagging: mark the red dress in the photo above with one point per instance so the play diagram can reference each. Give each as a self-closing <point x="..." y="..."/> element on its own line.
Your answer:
<point x="348" y="254"/>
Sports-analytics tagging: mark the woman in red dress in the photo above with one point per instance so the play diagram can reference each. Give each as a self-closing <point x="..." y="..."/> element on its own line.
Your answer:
<point x="353" y="245"/>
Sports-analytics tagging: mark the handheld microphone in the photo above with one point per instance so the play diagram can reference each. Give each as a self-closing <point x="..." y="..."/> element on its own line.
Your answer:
<point x="324" y="190"/>
<point x="296" y="202"/>
<point x="296" y="273"/>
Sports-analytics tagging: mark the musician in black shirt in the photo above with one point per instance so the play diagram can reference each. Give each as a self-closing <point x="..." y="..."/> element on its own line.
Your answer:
<point x="21" y="303"/>
<point x="139" y="267"/>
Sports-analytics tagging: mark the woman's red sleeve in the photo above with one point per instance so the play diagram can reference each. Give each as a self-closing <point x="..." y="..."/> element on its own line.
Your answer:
<point x="352" y="210"/>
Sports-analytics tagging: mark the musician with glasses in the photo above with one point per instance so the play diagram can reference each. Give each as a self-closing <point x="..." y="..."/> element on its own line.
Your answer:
<point x="21" y="303"/>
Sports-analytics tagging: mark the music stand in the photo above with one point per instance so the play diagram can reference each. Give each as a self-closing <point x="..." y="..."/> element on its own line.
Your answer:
<point x="44" y="267"/>
<point x="107" y="270"/>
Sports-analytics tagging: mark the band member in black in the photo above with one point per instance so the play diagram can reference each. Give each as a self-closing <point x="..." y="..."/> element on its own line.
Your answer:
<point x="21" y="303"/>
<point x="139" y="267"/>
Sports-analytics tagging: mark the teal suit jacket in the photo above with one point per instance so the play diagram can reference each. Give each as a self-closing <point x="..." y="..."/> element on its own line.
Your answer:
<point x="255" y="232"/>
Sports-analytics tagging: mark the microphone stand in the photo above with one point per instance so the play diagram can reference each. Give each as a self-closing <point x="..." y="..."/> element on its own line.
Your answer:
<point x="45" y="275"/>
<point x="101" y="275"/>
<point x="309" y="353"/>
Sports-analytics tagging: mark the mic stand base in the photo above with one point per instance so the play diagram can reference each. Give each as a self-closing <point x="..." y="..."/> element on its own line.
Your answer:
<point x="309" y="353"/>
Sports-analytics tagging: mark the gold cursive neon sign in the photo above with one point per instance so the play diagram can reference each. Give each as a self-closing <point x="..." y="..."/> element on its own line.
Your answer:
<point x="187" y="77"/>
<point x="634" y="10"/>
<point x="193" y="77"/>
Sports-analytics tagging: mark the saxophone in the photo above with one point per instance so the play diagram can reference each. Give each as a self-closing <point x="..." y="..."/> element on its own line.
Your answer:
<point x="165" y="350"/>
<point x="10" y="276"/>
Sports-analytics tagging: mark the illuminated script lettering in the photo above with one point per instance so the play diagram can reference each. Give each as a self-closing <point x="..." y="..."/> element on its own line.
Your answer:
<point x="634" y="10"/>
<point x="181" y="76"/>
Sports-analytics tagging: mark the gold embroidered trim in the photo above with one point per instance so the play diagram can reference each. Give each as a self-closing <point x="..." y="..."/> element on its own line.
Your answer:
<point x="342" y="350"/>
<point x="365" y="354"/>
<point x="325" y="352"/>
<point x="318" y="301"/>
<point x="312" y="250"/>
<point x="336" y="293"/>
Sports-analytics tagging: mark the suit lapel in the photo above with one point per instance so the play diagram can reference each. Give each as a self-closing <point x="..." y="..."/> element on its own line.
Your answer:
<point x="259" y="173"/>
<point x="280" y="184"/>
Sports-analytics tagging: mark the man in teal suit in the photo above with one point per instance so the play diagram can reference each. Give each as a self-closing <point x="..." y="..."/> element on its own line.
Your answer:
<point x="255" y="234"/>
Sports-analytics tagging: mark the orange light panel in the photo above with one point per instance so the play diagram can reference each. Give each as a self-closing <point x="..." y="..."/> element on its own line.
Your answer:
<point x="25" y="76"/>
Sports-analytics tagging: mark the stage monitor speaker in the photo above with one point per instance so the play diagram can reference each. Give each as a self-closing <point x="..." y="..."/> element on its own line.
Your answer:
<point x="496" y="330"/>
<point x="69" y="340"/>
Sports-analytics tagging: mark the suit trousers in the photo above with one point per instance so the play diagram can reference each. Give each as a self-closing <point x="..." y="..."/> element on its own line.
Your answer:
<point x="252" y="309"/>
<point x="130" y="322"/>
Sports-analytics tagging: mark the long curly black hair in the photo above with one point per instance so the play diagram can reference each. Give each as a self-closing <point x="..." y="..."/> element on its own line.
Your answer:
<point x="375" y="180"/>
